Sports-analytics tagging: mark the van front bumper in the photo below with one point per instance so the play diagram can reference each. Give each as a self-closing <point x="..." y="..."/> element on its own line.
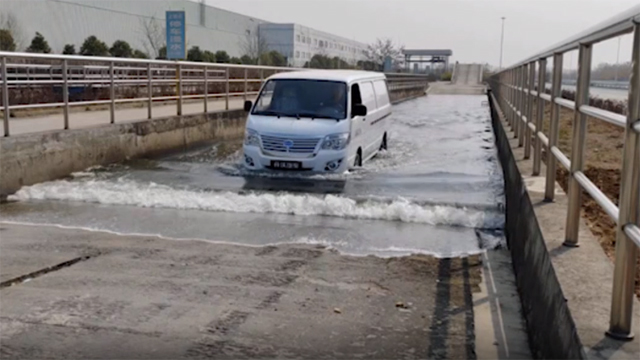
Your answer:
<point x="333" y="161"/>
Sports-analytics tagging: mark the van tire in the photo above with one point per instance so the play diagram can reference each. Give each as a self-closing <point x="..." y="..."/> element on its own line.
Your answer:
<point x="358" y="161"/>
<point x="383" y="144"/>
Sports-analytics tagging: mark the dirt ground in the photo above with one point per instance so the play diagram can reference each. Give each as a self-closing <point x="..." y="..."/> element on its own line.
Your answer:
<point x="603" y="164"/>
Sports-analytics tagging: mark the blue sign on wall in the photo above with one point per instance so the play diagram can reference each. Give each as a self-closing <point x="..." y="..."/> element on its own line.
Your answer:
<point x="176" y="37"/>
<point x="387" y="64"/>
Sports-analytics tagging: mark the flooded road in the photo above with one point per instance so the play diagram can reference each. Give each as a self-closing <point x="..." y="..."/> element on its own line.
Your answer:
<point x="437" y="190"/>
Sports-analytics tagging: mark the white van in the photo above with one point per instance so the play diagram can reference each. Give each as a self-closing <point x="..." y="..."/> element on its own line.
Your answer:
<point x="319" y="120"/>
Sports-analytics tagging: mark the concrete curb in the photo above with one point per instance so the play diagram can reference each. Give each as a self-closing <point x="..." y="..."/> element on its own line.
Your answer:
<point x="32" y="158"/>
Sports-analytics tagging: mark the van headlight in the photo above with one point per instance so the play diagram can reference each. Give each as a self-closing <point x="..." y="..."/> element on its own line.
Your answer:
<point x="251" y="138"/>
<point x="335" y="141"/>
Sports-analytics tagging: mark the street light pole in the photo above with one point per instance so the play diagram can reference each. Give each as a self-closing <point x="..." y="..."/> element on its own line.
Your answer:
<point x="618" y="57"/>
<point x="502" y="41"/>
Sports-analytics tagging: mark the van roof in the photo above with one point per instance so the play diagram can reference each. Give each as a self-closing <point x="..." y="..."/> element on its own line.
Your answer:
<point x="334" y="75"/>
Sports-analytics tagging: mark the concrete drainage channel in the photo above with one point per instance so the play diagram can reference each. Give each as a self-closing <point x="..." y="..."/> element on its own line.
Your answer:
<point x="551" y="329"/>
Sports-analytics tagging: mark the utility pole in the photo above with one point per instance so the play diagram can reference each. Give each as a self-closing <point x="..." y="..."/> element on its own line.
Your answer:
<point x="502" y="42"/>
<point x="618" y="57"/>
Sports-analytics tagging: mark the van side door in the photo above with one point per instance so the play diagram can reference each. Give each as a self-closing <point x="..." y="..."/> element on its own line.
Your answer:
<point x="384" y="109"/>
<point x="369" y="100"/>
<point x="357" y="122"/>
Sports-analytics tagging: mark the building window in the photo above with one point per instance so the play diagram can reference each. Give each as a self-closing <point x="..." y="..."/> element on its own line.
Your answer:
<point x="315" y="42"/>
<point x="298" y="38"/>
<point x="308" y="40"/>
<point x="298" y="54"/>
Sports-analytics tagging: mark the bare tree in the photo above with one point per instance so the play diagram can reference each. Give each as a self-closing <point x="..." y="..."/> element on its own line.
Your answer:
<point x="255" y="45"/>
<point x="383" y="48"/>
<point x="9" y="22"/>
<point x="154" y="36"/>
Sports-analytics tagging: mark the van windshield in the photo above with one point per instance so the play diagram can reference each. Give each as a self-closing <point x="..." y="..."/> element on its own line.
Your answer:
<point x="316" y="99"/>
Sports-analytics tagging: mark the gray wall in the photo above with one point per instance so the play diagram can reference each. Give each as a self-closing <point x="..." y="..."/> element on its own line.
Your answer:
<point x="279" y="37"/>
<point x="71" y="21"/>
<point x="32" y="158"/>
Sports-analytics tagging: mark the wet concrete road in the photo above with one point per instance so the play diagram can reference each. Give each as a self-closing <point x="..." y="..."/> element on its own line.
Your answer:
<point x="189" y="257"/>
<point x="437" y="185"/>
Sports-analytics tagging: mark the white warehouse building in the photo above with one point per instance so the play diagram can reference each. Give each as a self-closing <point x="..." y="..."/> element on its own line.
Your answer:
<point x="64" y="22"/>
<point x="300" y="43"/>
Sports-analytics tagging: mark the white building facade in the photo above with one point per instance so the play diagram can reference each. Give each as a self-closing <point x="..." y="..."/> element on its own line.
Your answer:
<point x="210" y="28"/>
<point x="300" y="43"/>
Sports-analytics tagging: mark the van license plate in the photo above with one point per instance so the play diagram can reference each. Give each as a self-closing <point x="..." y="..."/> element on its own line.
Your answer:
<point x="286" y="165"/>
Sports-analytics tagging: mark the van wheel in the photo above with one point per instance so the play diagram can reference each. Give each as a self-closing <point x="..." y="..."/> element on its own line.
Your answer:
<point x="358" y="161"/>
<point x="383" y="144"/>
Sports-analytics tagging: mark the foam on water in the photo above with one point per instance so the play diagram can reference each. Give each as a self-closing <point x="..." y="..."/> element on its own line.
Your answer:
<point x="128" y="192"/>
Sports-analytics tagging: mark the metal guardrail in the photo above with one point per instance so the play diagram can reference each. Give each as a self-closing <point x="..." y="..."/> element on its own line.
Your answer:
<point x="60" y="75"/>
<point x="514" y="89"/>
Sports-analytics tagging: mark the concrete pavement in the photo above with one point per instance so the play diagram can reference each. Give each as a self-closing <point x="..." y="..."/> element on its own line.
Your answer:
<point x="146" y="297"/>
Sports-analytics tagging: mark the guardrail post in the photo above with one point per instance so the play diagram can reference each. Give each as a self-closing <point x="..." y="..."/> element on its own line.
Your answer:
<point x="516" y="103"/>
<point x="179" y="75"/>
<point x="206" y="89"/>
<point x="65" y="93"/>
<point x="226" y="87"/>
<point x="245" y="84"/>
<point x="510" y="82"/>
<point x="521" y="104"/>
<point x="5" y="96"/>
<point x="112" y="93"/>
<point x="527" y="131"/>
<point x="625" y="263"/>
<point x="578" y="145"/>
<point x="149" y="91"/>
<point x="514" y="83"/>
<point x="537" y="143"/>
<point x="556" y="89"/>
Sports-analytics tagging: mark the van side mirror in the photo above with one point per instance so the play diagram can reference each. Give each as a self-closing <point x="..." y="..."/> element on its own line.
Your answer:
<point x="359" y="110"/>
<point x="247" y="105"/>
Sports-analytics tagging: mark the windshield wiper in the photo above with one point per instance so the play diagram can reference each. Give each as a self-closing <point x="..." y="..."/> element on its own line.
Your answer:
<point x="293" y="115"/>
<point x="317" y="116"/>
<point x="268" y="113"/>
<point x="296" y="115"/>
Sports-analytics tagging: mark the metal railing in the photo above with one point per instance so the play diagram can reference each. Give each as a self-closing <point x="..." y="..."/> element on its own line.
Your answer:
<point x="42" y="81"/>
<point x="515" y="89"/>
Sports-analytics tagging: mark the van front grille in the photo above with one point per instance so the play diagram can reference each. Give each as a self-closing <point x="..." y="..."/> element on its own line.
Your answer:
<point x="290" y="145"/>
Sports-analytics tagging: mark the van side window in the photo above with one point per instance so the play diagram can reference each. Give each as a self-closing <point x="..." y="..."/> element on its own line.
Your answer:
<point x="382" y="94"/>
<point x="355" y="95"/>
<point x="264" y="102"/>
<point x="368" y="96"/>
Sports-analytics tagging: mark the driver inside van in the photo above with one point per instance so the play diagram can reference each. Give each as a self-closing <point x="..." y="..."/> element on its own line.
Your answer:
<point x="336" y="104"/>
<point x="288" y="102"/>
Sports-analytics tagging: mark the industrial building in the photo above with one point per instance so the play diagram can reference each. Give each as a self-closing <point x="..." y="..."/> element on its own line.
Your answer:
<point x="71" y="21"/>
<point x="299" y="43"/>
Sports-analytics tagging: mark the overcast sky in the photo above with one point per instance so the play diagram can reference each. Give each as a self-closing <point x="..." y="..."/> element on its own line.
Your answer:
<point x="471" y="28"/>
